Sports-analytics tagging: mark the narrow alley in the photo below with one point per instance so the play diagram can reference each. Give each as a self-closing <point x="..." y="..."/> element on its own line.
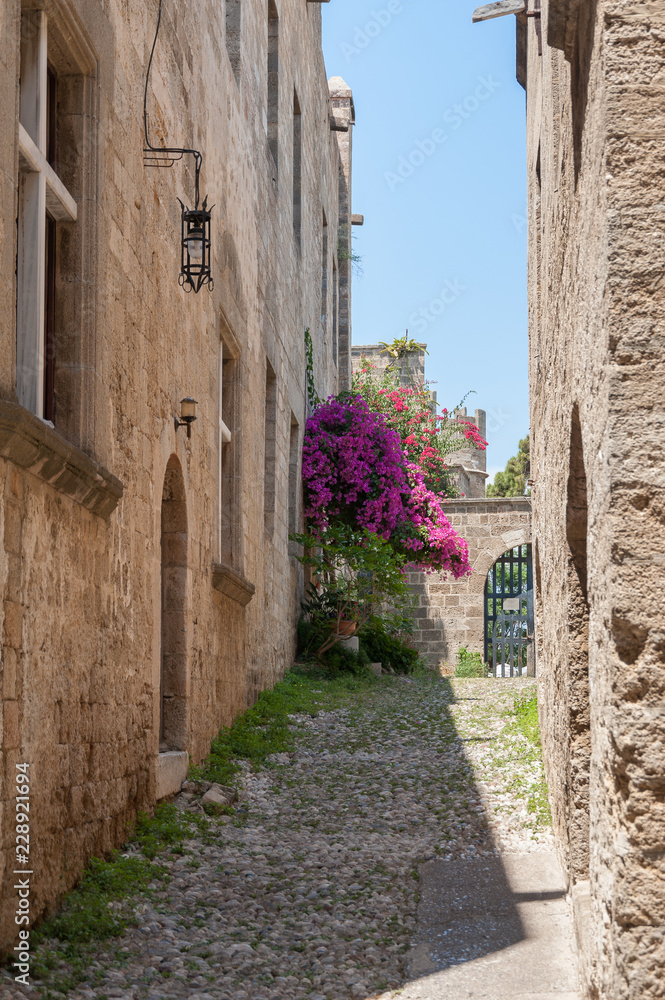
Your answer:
<point x="325" y="881"/>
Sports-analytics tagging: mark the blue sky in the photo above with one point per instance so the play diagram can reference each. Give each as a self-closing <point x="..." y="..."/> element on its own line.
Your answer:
<point x="439" y="174"/>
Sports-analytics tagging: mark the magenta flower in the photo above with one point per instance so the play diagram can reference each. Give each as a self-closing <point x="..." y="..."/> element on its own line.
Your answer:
<point x="353" y="468"/>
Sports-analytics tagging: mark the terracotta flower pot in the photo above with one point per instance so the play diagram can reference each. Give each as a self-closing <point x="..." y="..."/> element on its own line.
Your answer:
<point x="346" y="629"/>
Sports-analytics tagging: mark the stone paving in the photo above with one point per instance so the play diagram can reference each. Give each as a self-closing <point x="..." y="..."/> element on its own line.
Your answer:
<point x="311" y="889"/>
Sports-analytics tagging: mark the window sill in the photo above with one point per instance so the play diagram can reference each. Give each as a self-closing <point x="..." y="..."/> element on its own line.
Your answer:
<point x="232" y="583"/>
<point x="33" y="445"/>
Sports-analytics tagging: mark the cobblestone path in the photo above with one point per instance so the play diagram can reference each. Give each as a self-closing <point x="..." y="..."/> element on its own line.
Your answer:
<point x="310" y="890"/>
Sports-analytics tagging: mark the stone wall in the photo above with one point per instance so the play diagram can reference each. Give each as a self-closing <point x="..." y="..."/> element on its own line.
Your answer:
<point x="410" y="366"/>
<point x="595" y="172"/>
<point x="91" y="524"/>
<point x="451" y="614"/>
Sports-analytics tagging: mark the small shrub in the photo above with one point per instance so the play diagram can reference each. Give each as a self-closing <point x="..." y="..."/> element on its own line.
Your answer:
<point x="338" y="659"/>
<point x="470" y="664"/>
<point x="386" y="641"/>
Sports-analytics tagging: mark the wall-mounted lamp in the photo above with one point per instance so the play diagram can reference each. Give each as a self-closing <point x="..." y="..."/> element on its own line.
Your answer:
<point x="187" y="414"/>
<point x="195" y="264"/>
<point x="195" y="261"/>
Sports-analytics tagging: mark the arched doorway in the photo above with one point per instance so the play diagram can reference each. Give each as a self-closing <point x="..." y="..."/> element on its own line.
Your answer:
<point x="173" y="677"/>
<point x="509" y="648"/>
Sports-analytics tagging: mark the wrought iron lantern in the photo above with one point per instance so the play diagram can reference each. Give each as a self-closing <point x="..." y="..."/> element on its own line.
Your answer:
<point x="195" y="243"/>
<point x="195" y="271"/>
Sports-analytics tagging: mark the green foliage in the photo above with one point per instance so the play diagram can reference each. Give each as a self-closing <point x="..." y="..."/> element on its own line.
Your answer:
<point x="526" y="714"/>
<point x="101" y="906"/>
<point x="344" y="253"/>
<point x="512" y="482"/>
<point x="166" y="828"/>
<point x="336" y="659"/>
<point x="385" y="640"/>
<point x="401" y="346"/>
<point x="470" y="664"/>
<point x="525" y="720"/>
<point x="354" y="573"/>
<point x="312" y="395"/>
<point x="260" y="731"/>
<point x="86" y="915"/>
<point x="98" y="909"/>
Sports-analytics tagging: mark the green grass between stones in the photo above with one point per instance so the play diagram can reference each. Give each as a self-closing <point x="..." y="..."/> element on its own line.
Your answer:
<point x="102" y="905"/>
<point x="525" y="720"/>
<point x="264" y="729"/>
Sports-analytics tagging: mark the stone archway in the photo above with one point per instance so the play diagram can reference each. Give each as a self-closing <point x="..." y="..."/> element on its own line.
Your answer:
<point x="173" y="674"/>
<point x="451" y="614"/>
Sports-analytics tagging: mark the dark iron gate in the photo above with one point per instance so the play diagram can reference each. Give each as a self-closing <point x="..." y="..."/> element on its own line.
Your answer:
<point x="509" y="648"/>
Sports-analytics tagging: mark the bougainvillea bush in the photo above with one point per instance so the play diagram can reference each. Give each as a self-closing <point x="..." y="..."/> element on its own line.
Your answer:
<point x="427" y="438"/>
<point x="426" y="537"/>
<point x="357" y="472"/>
<point x="353" y="468"/>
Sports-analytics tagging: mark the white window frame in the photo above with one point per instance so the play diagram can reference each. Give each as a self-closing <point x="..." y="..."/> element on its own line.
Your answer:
<point x="41" y="192"/>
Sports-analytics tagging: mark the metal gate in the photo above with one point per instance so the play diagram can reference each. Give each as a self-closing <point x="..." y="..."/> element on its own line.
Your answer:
<point x="509" y="648"/>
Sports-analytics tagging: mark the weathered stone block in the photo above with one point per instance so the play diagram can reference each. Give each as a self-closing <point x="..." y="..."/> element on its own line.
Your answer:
<point x="13" y="624"/>
<point x="10" y="726"/>
<point x="170" y="772"/>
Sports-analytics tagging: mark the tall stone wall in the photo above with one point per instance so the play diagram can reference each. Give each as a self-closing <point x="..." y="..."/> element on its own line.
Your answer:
<point x="95" y="536"/>
<point x="450" y="614"/>
<point x="595" y="74"/>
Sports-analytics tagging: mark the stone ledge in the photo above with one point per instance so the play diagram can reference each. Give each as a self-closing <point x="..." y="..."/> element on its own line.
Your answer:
<point x="562" y="25"/>
<point x="170" y="772"/>
<point x="232" y="583"/>
<point x="496" y="503"/>
<point x="35" y="446"/>
<point x="581" y="893"/>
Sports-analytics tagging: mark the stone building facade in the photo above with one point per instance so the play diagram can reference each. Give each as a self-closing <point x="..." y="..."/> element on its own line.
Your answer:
<point x="595" y="73"/>
<point x="148" y="588"/>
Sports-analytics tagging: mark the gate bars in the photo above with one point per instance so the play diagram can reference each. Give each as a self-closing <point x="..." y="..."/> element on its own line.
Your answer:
<point x="509" y="613"/>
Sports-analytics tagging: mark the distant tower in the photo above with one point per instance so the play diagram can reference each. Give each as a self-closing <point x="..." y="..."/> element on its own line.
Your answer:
<point x="411" y="366"/>
<point x="468" y="465"/>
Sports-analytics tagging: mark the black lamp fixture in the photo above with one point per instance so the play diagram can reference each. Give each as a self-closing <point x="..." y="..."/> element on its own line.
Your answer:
<point x="195" y="269"/>
<point x="195" y="242"/>
<point x="187" y="414"/>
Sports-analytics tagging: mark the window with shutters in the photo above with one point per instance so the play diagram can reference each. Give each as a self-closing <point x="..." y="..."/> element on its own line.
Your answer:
<point x="57" y="242"/>
<point x="45" y="203"/>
